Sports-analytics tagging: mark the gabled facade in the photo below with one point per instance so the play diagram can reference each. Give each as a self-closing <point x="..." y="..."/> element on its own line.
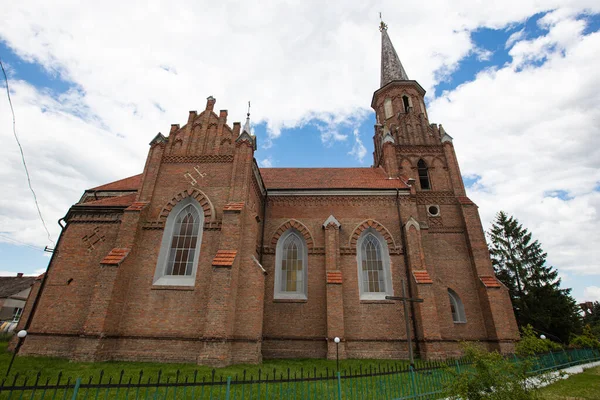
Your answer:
<point x="207" y="258"/>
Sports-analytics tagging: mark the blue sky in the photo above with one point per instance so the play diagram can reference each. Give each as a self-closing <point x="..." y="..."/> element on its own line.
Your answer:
<point x="487" y="74"/>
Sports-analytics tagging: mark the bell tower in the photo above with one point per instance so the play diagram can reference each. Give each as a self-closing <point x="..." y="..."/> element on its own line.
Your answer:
<point x="399" y="106"/>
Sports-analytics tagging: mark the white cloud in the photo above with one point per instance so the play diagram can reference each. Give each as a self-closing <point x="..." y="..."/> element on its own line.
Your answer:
<point x="359" y="151"/>
<point x="515" y="37"/>
<point x="591" y="293"/>
<point x="266" y="162"/>
<point x="531" y="130"/>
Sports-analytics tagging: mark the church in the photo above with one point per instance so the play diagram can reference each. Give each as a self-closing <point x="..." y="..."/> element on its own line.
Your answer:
<point x="207" y="258"/>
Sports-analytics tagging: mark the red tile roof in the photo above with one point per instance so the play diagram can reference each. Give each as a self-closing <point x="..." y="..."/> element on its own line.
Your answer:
<point x="334" y="277"/>
<point x="329" y="178"/>
<point x="234" y="206"/>
<point x="117" y="201"/>
<point x="137" y="206"/>
<point x="489" y="281"/>
<point x="422" y="277"/>
<point x="131" y="183"/>
<point x="115" y="257"/>
<point x="224" y="258"/>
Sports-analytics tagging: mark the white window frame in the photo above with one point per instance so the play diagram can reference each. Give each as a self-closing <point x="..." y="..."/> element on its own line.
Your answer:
<point x="277" y="292"/>
<point x="387" y="271"/>
<point x="160" y="279"/>
<point x="458" y="306"/>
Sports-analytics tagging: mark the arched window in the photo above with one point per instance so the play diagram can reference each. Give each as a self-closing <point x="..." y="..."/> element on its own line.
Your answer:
<point x="407" y="103"/>
<point x="180" y="247"/>
<point x="374" y="277"/>
<point x="456" y="307"/>
<point x="423" y="175"/>
<point x="291" y="256"/>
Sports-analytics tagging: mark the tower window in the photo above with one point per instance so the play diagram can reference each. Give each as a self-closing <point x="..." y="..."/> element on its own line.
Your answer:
<point x="423" y="175"/>
<point x="406" y="102"/>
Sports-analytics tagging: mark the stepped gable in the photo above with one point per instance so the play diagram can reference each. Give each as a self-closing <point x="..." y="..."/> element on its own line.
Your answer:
<point x="329" y="178"/>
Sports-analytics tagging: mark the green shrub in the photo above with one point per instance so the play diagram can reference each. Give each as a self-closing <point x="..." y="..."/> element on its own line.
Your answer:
<point x="530" y="344"/>
<point x="587" y="340"/>
<point x="491" y="376"/>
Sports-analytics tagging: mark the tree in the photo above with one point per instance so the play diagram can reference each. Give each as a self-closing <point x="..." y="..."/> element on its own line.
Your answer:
<point x="591" y="317"/>
<point x="534" y="287"/>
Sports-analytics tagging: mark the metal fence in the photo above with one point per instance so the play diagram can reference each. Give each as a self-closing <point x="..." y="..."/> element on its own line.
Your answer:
<point x="425" y="382"/>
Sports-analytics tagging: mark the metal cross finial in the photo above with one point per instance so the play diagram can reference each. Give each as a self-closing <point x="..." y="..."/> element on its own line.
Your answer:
<point x="248" y="115"/>
<point x="382" y="25"/>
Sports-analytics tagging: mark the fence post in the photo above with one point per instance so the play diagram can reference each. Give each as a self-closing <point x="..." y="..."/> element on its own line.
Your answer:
<point x="228" y="391"/>
<point x="76" y="389"/>
<point x="339" y="379"/>
<point x="553" y="359"/>
<point x="413" y="382"/>
<point x="457" y="366"/>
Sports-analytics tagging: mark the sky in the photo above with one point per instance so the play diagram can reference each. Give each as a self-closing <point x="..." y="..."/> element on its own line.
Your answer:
<point x="515" y="83"/>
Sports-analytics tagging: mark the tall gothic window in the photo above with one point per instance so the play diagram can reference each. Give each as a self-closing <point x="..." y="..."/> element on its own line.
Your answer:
<point x="456" y="307"/>
<point x="373" y="266"/>
<point x="180" y="248"/>
<point x="291" y="266"/>
<point x="423" y="175"/>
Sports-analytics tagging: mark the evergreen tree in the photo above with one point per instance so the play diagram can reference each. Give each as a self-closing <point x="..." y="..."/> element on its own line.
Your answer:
<point x="534" y="287"/>
<point x="592" y="318"/>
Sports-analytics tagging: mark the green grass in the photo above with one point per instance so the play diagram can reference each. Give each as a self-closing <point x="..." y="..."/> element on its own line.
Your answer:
<point x="582" y="386"/>
<point x="50" y="367"/>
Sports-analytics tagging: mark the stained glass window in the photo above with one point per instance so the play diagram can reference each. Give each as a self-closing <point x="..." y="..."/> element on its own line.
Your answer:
<point x="372" y="265"/>
<point x="292" y="265"/>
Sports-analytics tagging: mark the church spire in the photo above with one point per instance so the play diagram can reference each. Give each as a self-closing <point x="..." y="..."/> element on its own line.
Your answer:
<point x="391" y="67"/>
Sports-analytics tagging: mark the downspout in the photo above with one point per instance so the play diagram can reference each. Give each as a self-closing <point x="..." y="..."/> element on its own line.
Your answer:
<point x="408" y="280"/>
<point x="262" y="234"/>
<point x="42" y="285"/>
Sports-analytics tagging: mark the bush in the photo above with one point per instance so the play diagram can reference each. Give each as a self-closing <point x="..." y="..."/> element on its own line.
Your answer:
<point x="587" y="340"/>
<point x="492" y="376"/>
<point x="5" y="336"/>
<point x="531" y="345"/>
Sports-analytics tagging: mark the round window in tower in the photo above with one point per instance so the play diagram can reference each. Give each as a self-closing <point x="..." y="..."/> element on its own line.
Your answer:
<point x="433" y="211"/>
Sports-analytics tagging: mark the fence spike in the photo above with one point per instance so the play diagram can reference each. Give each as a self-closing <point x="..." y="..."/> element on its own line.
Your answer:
<point x="288" y="373"/>
<point x="195" y="375"/>
<point x="213" y="375"/>
<point x="121" y="376"/>
<point x="301" y="373"/>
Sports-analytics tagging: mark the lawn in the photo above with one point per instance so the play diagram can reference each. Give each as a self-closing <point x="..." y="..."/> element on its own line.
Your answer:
<point x="582" y="386"/>
<point x="50" y="367"/>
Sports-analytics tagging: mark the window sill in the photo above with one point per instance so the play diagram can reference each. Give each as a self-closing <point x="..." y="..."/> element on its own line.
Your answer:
<point x="376" y="301"/>
<point x="460" y="322"/>
<point x="166" y="287"/>
<point x="290" y="300"/>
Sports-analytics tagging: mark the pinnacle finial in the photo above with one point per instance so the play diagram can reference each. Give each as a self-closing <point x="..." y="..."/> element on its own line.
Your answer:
<point x="382" y="25"/>
<point x="247" y="124"/>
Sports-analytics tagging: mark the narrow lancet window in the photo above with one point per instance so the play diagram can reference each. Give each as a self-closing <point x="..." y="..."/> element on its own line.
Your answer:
<point x="423" y="175"/>
<point x="180" y="247"/>
<point x="183" y="244"/>
<point x="291" y="262"/>
<point x="456" y="307"/>
<point x="406" y="103"/>
<point x="372" y="265"/>
<point x="374" y="273"/>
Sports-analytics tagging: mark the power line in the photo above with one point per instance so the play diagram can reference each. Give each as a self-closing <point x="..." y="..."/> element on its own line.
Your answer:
<point x="22" y="155"/>
<point x="19" y="242"/>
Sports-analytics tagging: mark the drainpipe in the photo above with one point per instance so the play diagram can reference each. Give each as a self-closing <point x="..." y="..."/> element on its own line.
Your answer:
<point x="42" y="285"/>
<point x="408" y="280"/>
<point x="262" y="239"/>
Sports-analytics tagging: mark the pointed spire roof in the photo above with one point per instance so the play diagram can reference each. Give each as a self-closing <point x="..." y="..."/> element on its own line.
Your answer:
<point x="391" y="67"/>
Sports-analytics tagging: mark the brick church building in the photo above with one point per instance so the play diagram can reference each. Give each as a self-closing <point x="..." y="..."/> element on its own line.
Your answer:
<point x="206" y="258"/>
